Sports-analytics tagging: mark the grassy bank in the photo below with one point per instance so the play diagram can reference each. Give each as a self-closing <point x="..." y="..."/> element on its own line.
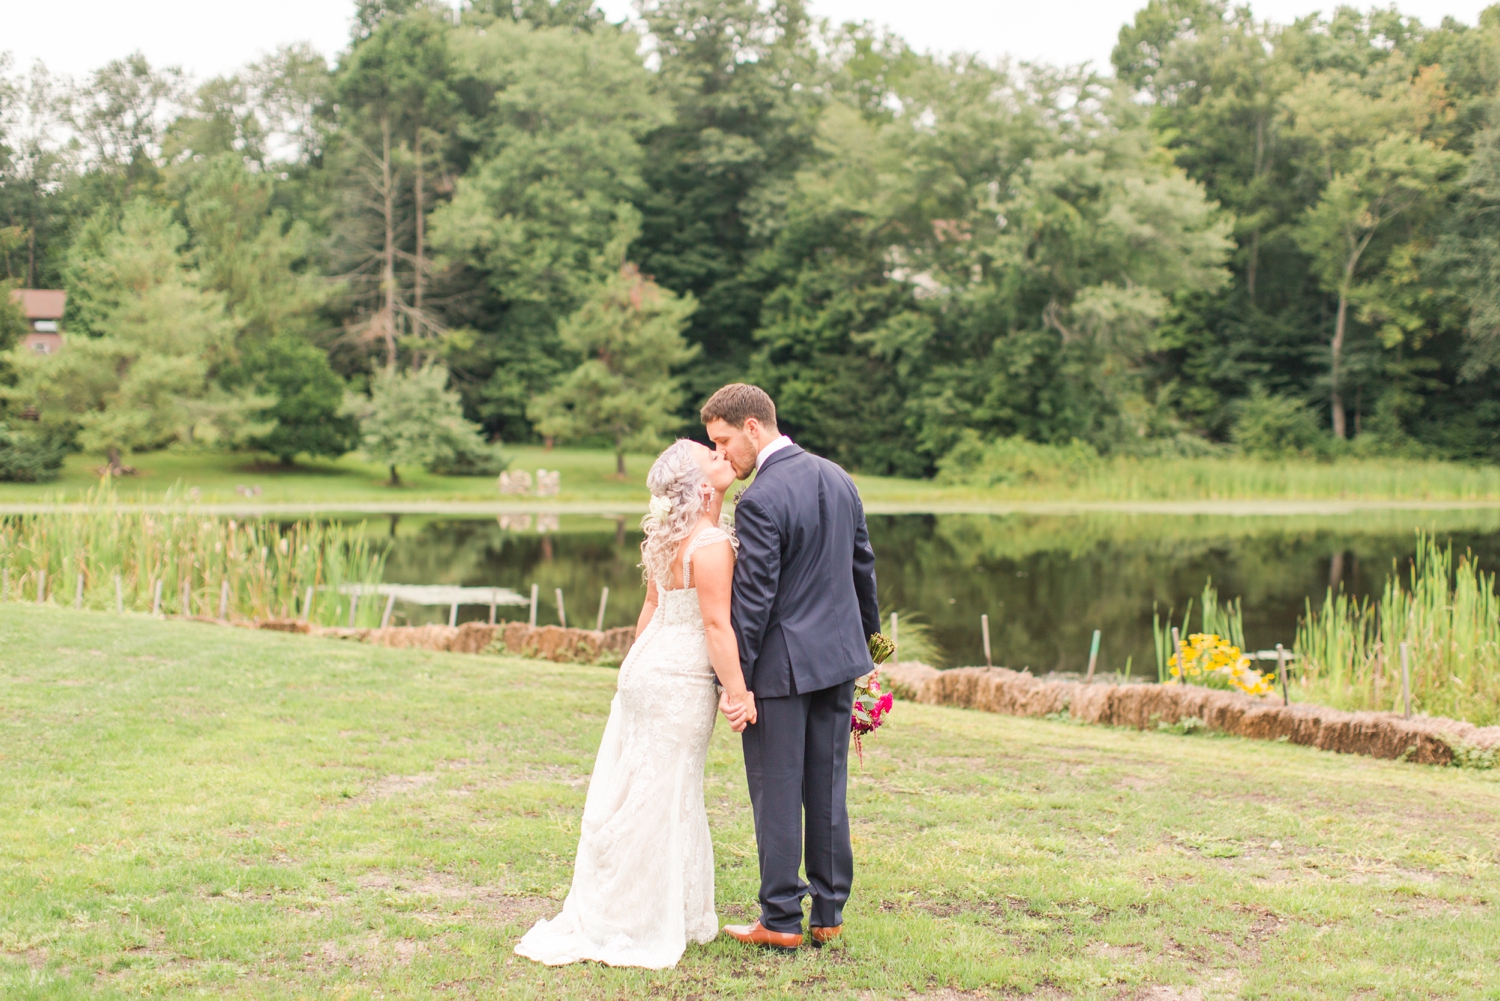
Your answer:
<point x="198" y="810"/>
<point x="588" y="475"/>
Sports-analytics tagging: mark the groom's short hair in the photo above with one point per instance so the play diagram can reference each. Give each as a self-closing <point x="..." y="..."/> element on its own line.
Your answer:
<point x="737" y="403"/>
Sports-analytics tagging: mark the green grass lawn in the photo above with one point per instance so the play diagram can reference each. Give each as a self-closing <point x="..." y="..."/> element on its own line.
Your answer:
<point x="191" y="810"/>
<point x="588" y="477"/>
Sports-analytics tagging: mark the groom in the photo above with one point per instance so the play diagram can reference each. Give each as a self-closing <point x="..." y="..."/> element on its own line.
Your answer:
<point x="803" y="609"/>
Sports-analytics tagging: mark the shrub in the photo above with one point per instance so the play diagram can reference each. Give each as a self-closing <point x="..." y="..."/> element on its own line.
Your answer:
<point x="1278" y="426"/>
<point x="32" y="454"/>
<point x="1013" y="461"/>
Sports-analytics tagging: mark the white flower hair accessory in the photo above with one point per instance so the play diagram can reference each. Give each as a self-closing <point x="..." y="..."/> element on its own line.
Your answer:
<point x="660" y="507"/>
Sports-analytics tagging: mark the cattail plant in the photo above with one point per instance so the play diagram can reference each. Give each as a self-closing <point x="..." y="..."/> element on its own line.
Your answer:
<point x="267" y="566"/>
<point x="1450" y="616"/>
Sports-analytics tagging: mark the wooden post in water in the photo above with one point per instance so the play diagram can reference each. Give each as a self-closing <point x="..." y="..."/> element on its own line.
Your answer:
<point x="78" y="590"/>
<point x="603" y="601"/>
<point x="41" y="587"/>
<point x="119" y="596"/>
<point x="492" y="608"/>
<point x="156" y="599"/>
<point x="984" y="630"/>
<point x="307" y="605"/>
<point x="1406" y="680"/>
<point x="531" y="620"/>
<point x="224" y="600"/>
<point x="390" y="605"/>
<point x="562" y="613"/>
<point x="1286" y="699"/>
<point x="1093" y="656"/>
<point x="895" y="640"/>
<point x="453" y="614"/>
<point x="353" y="607"/>
<point x="1181" y="667"/>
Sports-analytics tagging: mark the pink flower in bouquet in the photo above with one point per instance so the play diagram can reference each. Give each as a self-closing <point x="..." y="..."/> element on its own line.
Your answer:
<point x="869" y="711"/>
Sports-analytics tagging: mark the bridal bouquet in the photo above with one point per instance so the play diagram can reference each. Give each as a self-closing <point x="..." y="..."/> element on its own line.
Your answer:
<point x="870" y="703"/>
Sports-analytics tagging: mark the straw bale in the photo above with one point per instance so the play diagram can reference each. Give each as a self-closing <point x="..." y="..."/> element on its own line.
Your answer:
<point x="572" y="646"/>
<point x="576" y="646"/>
<point x="430" y="637"/>
<point x="998" y="690"/>
<point x="907" y="679"/>
<point x="473" y="637"/>
<point x="618" y="642"/>
<point x="1425" y="740"/>
<point x="285" y="625"/>
<point x="340" y="633"/>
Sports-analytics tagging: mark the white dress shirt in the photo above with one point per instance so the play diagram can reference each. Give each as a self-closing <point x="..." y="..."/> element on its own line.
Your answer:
<point x="781" y="442"/>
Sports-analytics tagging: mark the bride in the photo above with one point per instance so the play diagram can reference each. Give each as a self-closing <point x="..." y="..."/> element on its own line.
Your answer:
<point x="643" y="879"/>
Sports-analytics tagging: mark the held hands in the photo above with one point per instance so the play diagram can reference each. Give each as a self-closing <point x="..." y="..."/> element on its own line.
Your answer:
<point x="741" y="713"/>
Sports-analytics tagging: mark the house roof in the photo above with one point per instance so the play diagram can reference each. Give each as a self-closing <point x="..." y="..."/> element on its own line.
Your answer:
<point x="40" y="303"/>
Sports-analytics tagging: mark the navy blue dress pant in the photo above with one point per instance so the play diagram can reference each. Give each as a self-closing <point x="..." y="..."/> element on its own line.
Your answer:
<point x="797" y="765"/>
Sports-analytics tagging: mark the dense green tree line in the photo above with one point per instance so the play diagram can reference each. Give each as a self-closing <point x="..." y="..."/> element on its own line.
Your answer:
<point x="1249" y="235"/>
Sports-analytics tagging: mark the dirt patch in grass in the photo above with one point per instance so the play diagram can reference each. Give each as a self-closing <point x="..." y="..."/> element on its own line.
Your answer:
<point x="367" y="954"/>
<point x="1164" y="993"/>
<point x="496" y="902"/>
<point x="1118" y="953"/>
<point x="393" y="785"/>
<point x="35" y="957"/>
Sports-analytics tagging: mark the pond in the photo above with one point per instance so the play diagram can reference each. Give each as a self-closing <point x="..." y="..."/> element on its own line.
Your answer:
<point x="1046" y="582"/>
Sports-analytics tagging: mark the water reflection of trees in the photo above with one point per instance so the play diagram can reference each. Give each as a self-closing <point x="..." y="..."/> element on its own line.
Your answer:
<point x="1047" y="583"/>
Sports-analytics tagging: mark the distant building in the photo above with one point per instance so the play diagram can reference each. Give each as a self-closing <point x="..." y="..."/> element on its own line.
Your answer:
<point x="44" y="310"/>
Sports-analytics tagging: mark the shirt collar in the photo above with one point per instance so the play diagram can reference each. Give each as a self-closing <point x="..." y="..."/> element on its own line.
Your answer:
<point x="781" y="442"/>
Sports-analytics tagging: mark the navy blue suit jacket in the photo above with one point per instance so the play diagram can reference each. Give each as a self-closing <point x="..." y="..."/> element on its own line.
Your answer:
<point x="804" y="600"/>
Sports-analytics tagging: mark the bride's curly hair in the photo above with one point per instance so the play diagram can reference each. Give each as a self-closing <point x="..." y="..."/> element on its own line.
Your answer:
<point x="675" y="477"/>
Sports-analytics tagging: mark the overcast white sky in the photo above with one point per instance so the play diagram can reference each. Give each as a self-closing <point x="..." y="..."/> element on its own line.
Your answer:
<point x="208" y="37"/>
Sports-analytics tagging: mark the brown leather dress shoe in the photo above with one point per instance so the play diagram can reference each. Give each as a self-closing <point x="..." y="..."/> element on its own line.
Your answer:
<point x="822" y="936"/>
<point x="757" y="935"/>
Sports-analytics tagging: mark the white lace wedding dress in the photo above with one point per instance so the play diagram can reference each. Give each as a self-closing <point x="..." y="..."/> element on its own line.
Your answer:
<point x="643" y="880"/>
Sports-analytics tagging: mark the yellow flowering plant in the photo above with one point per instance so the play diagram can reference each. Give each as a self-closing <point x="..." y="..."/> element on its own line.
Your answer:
<point x="1213" y="661"/>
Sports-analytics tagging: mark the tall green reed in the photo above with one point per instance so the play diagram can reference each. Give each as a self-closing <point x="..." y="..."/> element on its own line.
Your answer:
<point x="915" y="641"/>
<point x="1449" y="615"/>
<point x="1223" y="619"/>
<point x="121" y="556"/>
